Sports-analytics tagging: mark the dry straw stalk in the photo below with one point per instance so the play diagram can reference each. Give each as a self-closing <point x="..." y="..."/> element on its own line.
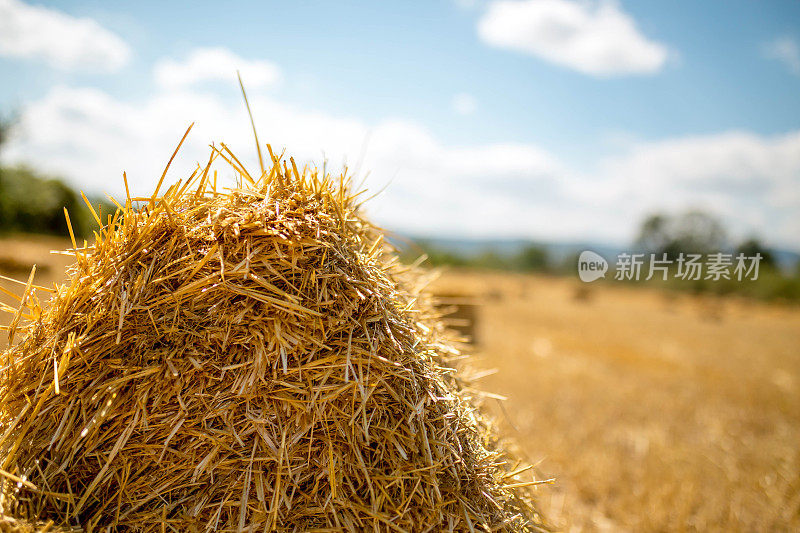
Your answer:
<point x="253" y="359"/>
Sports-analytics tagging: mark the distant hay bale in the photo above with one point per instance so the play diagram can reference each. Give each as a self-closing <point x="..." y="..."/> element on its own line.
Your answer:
<point x="13" y="266"/>
<point x="582" y="293"/>
<point x="249" y="360"/>
<point x="10" y="524"/>
<point x="460" y="312"/>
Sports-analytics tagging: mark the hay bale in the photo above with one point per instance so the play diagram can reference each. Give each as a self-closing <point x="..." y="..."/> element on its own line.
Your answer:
<point x="255" y="359"/>
<point x="9" y="524"/>
<point x="460" y="312"/>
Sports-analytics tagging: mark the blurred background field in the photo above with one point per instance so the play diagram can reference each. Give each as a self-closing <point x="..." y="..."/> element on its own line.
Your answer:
<point x="500" y="138"/>
<point x="654" y="410"/>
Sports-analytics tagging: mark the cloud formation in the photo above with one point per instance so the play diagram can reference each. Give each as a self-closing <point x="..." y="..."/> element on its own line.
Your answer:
<point x="431" y="187"/>
<point x="787" y="51"/>
<point x="592" y="37"/>
<point x="90" y="138"/>
<point x="751" y="181"/>
<point x="214" y="64"/>
<point x="61" y="40"/>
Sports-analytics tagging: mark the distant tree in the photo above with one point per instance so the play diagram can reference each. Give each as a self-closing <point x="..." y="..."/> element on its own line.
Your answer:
<point x="568" y="264"/>
<point x="533" y="257"/>
<point x="654" y="234"/>
<point x="753" y="246"/>
<point x="699" y="232"/>
<point x="691" y="232"/>
<point x="6" y="124"/>
<point x="32" y="203"/>
<point x="491" y="259"/>
<point x="5" y="132"/>
<point x="437" y="256"/>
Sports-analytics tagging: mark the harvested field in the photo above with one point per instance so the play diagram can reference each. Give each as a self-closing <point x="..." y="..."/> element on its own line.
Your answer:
<point x="654" y="412"/>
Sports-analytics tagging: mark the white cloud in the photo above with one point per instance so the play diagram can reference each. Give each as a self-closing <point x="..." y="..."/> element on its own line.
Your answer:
<point x="751" y="181"/>
<point x="592" y="37"/>
<point x="486" y="190"/>
<point x="63" y="41"/>
<point x="214" y="64"/>
<point x="787" y="51"/>
<point x="90" y="138"/>
<point x="464" y="104"/>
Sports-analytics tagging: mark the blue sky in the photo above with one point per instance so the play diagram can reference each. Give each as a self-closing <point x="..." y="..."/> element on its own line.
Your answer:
<point x="550" y="119"/>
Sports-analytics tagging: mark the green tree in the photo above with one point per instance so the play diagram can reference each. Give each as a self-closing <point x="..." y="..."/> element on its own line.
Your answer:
<point x="533" y="257"/>
<point x="753" y="246"/>
<point x="5" y="130"/>
<point x="655" y="234"/>
<point x="32" y="203"/>
<point x="694" y="231"/>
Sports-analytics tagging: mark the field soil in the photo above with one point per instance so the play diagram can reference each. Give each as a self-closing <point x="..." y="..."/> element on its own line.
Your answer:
<point x="653" y="411"/>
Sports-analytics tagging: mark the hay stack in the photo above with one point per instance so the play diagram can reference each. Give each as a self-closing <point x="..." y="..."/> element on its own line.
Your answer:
<point x="254" y="359"/>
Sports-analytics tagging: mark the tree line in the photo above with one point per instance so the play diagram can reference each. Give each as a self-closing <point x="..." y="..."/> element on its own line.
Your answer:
<point x="31" y="202"/>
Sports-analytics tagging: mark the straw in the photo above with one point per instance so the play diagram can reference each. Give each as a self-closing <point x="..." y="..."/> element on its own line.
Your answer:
<point x="250" y="360"/>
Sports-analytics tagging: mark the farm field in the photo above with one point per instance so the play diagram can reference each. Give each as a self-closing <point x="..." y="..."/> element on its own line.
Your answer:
<point x="653" y="411"/>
